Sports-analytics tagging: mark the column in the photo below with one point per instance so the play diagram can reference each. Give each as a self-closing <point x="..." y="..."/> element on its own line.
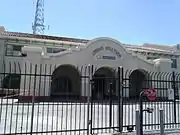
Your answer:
<point x="30" y="73"/>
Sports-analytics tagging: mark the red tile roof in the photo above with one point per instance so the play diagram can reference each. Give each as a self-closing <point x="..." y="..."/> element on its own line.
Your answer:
<point x="27" y="35"/>
<point x="162" y="47"/>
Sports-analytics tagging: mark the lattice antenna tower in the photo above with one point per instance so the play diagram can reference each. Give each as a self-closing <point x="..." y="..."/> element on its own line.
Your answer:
<point x="38" y="26"/>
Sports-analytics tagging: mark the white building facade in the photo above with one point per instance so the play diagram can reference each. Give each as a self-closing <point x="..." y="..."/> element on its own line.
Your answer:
<point x="57" y="58"/>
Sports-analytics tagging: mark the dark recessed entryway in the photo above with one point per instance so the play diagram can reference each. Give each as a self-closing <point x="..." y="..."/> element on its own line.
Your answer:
<point x="137" y="82"/>
<point x="66" y="83"/>
<point x="102" y="79"/>
<point x="12" y="81"/>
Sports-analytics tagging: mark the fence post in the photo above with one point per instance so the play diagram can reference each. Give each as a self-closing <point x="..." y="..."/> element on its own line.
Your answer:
<point x="141" y="113"/>
<point x="161" y="122"/>
<point x="110" y="104"/>
<point x="120" y="98"/>
<point x="92" y="86"/>
<point x="33" y="99"/>
<point x="88" y="98"/>
<point x="174" y="88"/>
<point x="137" y="123"/>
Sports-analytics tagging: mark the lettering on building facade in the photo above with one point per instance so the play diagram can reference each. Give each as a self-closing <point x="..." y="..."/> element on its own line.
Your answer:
<point x="107" y="48"/>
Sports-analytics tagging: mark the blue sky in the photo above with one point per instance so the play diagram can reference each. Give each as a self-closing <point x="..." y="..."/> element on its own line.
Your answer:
<point x="129" y="21"/>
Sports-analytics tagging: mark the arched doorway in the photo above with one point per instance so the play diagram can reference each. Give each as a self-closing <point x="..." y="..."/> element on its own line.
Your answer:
<point x="12" y="81"/>
<point x="137" y="83"/>
<point x="66" y="83"/>
<point x="103" y="79"/>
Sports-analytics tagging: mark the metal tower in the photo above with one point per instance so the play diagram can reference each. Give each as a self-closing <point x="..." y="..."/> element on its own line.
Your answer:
<point x="38" y="27"/>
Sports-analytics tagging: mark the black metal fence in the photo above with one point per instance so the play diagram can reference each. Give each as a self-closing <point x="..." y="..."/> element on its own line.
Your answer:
<point x="52" y="99"/>
<point x="167" y="85"/>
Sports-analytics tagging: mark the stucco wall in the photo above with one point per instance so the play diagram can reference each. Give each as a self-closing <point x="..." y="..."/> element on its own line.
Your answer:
<point x="37" y="79"/>
<point x="84" y="57"/>
<point x="91" y="54"/>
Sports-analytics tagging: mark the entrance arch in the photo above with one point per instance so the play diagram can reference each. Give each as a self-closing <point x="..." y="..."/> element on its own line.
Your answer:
<point x="66" y="82"/>
<point x="12" y="81"/>
<point x="102" y="79"/>
<point x="137" y="82"/>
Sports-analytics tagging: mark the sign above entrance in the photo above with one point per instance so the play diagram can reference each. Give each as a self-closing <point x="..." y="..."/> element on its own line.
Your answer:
<point x="106" y="48"/>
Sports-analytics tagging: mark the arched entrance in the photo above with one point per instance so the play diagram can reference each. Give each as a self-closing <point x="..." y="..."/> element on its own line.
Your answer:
<point x="12" y="81"/>
<point x="103" y="78"/>
<point x="66" y="83"/>
<point x="137" y="83"/>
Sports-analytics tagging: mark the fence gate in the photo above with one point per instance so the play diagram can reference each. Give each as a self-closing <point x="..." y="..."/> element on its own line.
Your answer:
<point x="105" y="103"/>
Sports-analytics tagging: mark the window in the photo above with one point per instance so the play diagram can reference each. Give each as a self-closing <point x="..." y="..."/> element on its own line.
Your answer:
<point x="55" y="50"/>
<point x="152" y="58"/>
<point x="13" y="50"/>
<point x="17" y="48"/>
<point x="174" y="63"/>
